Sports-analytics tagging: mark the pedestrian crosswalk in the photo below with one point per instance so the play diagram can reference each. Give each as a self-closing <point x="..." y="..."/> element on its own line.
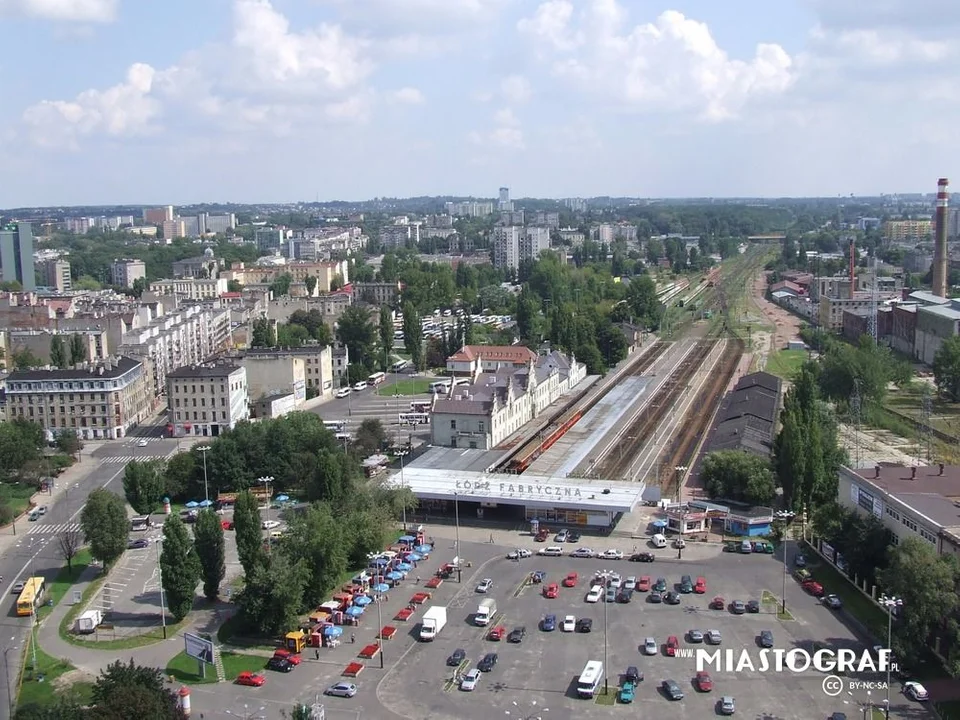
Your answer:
<point x="41" y="528"/>
<point x="124" y="459"/>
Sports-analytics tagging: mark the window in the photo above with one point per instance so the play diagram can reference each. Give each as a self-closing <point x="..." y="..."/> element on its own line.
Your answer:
<point x="893" y="513"/>
<point x="894" y="539"/>
<point x="910" y="524"/>
<point x="453" y="424"/>
<point x="480" y="426"/>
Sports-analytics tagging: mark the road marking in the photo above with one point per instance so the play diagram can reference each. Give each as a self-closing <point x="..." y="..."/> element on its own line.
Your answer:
<point x="53" y="529"/>
<point x="124" y="459"/>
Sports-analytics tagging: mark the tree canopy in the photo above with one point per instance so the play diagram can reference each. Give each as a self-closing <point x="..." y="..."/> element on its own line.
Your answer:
<point x="738" y="475"/>
<point x="105" y="525"/>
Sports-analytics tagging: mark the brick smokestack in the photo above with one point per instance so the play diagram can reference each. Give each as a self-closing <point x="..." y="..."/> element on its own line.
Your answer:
<point x="940" y="257"/>
<point x="853" y="264"/>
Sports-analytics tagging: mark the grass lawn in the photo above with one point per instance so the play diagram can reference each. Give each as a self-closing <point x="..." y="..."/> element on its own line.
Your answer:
<point x="411" y="386"/>
<point x="786" y="363"/>
<point x="17" y="496"/>
<point x="865" y="610"/>
<point x="606" y="698"/>
<point x="64" y="580"/>
<point x="34" y="690"/>
<point x="186" y="669"/>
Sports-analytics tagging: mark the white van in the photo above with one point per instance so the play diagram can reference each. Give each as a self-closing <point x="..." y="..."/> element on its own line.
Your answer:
<point x="659" y="540"/>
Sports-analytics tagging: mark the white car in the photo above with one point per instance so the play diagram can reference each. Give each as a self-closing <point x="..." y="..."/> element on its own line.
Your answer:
<point x="269" y="524"/>
<point x="596" y="592"/>
<point x="484" y="585"/>
<point x="582" y="552"/>
<point x="553" y="551"/>
<point x="680" y="543"/>
<point x="611" y="555"/>
<point x="915" y="691"/>
<point x="470" y="680"/>
<point x="713" y="637"/>
<point x="142" y="443"/>
<point x="569" y="624"/>
<point x="650" y="646"/>
<point x="343" y="392"/>
<point x="614" y="582"/>
<point x="358" y="386"/>
<point x="42" y="509"/>
<point x="630" y="583"/>
<point x="519" y="553"/>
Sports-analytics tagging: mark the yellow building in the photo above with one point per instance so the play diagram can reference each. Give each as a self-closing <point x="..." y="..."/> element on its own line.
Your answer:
<point x="898" y="230"/>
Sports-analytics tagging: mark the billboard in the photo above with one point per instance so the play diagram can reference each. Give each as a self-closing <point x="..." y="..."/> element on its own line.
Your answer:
<point x="198" y="647"/>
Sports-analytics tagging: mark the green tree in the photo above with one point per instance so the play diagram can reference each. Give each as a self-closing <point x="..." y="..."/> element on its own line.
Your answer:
<point x="68" y="442"/>
<point x="144" y="485"/>
<point x="78" y="349"/>
<point x="272" y="597"/>
<point x="25" y="359"/>
<point x="139" y="287"/>
<point x="281" y="286"/>
<point x="234" y="286"/>
<point x="946" y="369"/>
<point x="182" y="476"/>
<point x="311" y="282"/>
<point x="413" y="336"/>
<point x="248" y="532"/>
<point x="370" y="436"/>
<point x="58" y="352"/>
<point x="62" y="709"/>
<point x="527" y="315"/>
<point x="316" y="539"/>
<point x="642" y="301"/>
<point x="105" y="525"/>
<point x="299" y="712"/>
<point x="738" y="475"/>
<point x="386" y="335"/>
<point x="356" y="331"/>
<point x="210" y="545"/>
<point x="180" y="567"/>
<point x="263" y="333"/>
<point x="127" y="690"/>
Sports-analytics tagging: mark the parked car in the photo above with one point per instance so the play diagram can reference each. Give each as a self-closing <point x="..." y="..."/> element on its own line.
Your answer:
<point x="484" y="585"/>
<point x="672" y="598"/>
<point x="627" y="692"/>
<point x="738" y="607"/>
<point x="594" y="595"/>
<point x="630" y="583"/>
<point x="642" y="557"/>
<point x="549" y="623"/>
<point x="753" y="606"/>
<point x="584" y="625"/>
<point x="713" y="637"/>
<point x="561" y="536"/>
<point x="655" y="597"/>
<point x="496" y="634"/>
<point x="456" y="657"/>
<point x="695" y="636"/>
<point x="542" y="535"/>
<point x="573" y="536"/>
<point x="611" y="595"/>
<point x="279" y="664"/>
<point x="660" y="585"/>
<point x="700" y="587"/>
<point x="551" y="551"/>
<point x="686" y="584"/>
<point x="915" y="691"/>
<point x="718" y="603"/>
<point x="611" y="555"/>
<point x="470" y="680"/>
<point x="343" y="392"/>
<point x="519" y="554"/>
<point x="570" y="580"/>
<point x="813" y="587"/>
<point x="569" y="624"/>
<point x="487" y="663"/>
<point x="672" y="689"/>
<point x="582" y="552"/>
<point x="643" y="584"/>
<point x="342" y="689"/>
<point x="517" y="635"/>
<point x="250" y="679"/>
<point x="765" y="639"/>
<point x="727" y="705"/>
<point x="624" y="596"/>
<point x="633" y="675"/>
<point x="551" y="591"/>
<point x="670" y="650"/>
<point x="799" y="560"/>
<point x="537" y="576"/>
<point x="704" y="682"/>
<point x="650" y="646"/>
<point x="833" y="602"/>
<point x="269" y="524"/>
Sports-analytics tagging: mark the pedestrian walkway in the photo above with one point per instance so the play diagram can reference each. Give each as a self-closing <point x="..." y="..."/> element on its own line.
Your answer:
<point x="41" y="529"/>
<point x="124" y="459"/>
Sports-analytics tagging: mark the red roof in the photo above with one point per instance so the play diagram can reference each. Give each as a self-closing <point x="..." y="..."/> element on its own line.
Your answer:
<point x="516" y="354"/>
<point x="230" y="295"/>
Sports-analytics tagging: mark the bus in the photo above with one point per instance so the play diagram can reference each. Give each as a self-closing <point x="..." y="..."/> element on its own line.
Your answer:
<point x="376" y="379"/>
<point x="590" y="679"/>
<point x="399" y="366"/>
<point x="31" y="596"/>
<point x="335" y="425"/>
<point x="421" y="406"/>
<point x="439" y="387"/>
<point x="343" y="436"/>
<point x="140" y="523"/>
<point x="414" y="419"/>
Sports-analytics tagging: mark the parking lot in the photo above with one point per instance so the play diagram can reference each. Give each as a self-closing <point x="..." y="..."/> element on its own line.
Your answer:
<point x="543" y="669"/>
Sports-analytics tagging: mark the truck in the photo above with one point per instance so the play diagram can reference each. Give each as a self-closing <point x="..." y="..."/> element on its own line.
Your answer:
<point x="88" y="622"/>
<point x="433" y="621"/>
<point x="486" y="611"/>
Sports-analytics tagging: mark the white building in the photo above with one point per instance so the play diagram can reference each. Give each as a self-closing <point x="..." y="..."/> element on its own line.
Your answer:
<point x="207" y="399"/>
<point x="506" y="388"/>
<point x="506" y="246"/>
<point x="274" y="369"/>
<point x="191" y="288"/>
<point x="124" y="272"/>
<point x="536" y="240"/>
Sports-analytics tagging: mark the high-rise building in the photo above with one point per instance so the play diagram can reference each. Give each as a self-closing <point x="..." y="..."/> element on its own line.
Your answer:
<point x="535" y="241"/>
<point x="268" y="239"/>
<point x="173" y="229"/>
<point x="506" y="246"/>
<point x="505" y="205"/>
<point x="16" y="255"/>
<point x="218" y="224"/>
<point x="158" y="216"/>
<point x="56" y="275"/>
<point x="124" y="272"/>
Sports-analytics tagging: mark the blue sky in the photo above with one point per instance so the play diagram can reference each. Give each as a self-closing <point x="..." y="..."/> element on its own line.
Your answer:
<point x="127" y="101"/>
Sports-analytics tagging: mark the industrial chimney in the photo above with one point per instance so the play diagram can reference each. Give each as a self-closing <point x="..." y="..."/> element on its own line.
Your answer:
<point x="853" y="265"/>
<point x="940" y="257"/>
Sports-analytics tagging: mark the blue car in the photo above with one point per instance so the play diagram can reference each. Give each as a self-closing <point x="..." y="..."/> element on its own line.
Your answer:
<point x="549" y="623"/>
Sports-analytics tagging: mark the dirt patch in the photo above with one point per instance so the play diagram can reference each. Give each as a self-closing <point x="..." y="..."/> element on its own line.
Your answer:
<point x="71" y="678"/>
<point x="784" y="326"/>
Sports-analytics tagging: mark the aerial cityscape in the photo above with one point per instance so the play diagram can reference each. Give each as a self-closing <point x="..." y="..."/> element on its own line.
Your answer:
<point x="430" y="360"/>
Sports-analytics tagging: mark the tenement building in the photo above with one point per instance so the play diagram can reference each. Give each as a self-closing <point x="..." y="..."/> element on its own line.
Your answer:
<point x="207" y="399"/>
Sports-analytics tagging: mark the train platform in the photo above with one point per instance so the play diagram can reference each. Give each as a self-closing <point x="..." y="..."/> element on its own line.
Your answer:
<point x="529" y="431"/>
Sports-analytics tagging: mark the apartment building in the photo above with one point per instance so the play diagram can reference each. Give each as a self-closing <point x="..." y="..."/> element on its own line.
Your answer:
<point x="173" y="229"/>
<point x="935" y="323"/>
<point x="400" y="235"/>
<point x="16" y="255"/>
<point x="206" y="400"/>
<point x="513" y="243"/>
<point x="536" y="239"/>
<point x="275" y="369"/>
<point x="901" y="230"/>
<point x="38" y="343"/>
<point x="376" y="293"/>
<point x="102" y="400"/>
<point x="326" y="273"/>
<point x="470" y="208"/>
<point x="190" y="288"/>
<point x="55" y="274"/>
<point x="159" y="215"/>
<point x="506" y="388"/>
<point x="269" y="239"/>
<point x="188" y="335"/>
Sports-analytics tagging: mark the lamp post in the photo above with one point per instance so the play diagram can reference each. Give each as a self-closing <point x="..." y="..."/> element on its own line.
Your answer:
<point x="534" y="715"/>
<point x="680" y="470"/>
<point x="203" y="450"/>
<point x="6" y="674"/>
<point x="265" y="481"/>
<point x="247" y="714"/>
<point x="403" y="485"/>
<point x="785" y="516"/>
<point x="606" y="682"/>
<point x="889" y="603"/>
<point x="163" y="612"/>
<point x="456" y="519"/>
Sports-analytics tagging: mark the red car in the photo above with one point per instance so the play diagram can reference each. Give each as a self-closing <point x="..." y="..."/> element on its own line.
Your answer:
<point x="570" y="580"/>
<point x="672" y="645"/>
<point x="250" y="678"/>
<point x="704" y="682"/>
<point x="701" y="586"/>
<point x="226" y="524"/>
<point x="718" y="603"/>
<point x="542" y="535"/>
<point x="292" y="657"/>
<point x="551" y="590"/>
<point x="813" y="587"/>
<point x="643" y="584"/>
<point x="497" y="633"/>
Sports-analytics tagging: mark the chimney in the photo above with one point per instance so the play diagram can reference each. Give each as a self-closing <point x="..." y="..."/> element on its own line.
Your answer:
<point x="853" y="260"/>
<point x="913" y="473"/>
<point x="940" y="257"/>
<point x="876" y="471"/>
<point x="941" y="469"/>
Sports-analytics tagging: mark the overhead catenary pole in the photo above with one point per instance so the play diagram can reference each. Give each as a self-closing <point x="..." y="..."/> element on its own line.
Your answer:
<point x="889" y="603"/>
<point x="6" y="674"/>
<point x="203" y="451"/>
<point x="265" y="481"/>
<point x="163" y="612"/>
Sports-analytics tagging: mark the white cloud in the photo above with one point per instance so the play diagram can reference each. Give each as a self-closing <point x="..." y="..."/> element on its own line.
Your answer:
<point x="670" y="65"/>
<point x="97" y="11"/>
<point x="506" y="132"/>
<point x="420" y="17"/>
<point x="515" y="89"/>
<point x="408" y="96"/>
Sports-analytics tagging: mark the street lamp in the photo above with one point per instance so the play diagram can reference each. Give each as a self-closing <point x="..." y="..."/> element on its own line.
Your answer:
<point x="203" y="450"/>
<point x="456" y="519"/>
<point x="403" y="485"/>
<point x="889" y="603"/>
<point x="6" y="673"/>
<point x="606" y="682"/>
<point x="163" y="612"/>
<point x="380" y="625"/>
<point x="246" y="714"/>
<point x="680" y="470"/>
<point x="265" y="481"/>
<point x="534" y="715"/>
<point x="785" y="516"/>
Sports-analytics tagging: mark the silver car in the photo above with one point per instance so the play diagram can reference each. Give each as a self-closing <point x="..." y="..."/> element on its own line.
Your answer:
<point x="728" y="706"/>
<point x="714" y="637"/>
<point x="470" y="680"/>
<point x="695" y="636"/>
<point x="650" y="646"/>
<point x="342" y="689"/>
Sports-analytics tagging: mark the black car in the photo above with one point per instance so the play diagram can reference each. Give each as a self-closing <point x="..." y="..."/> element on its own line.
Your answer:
<point x="633" y="675"/>
<point x="573" y="537"/>
<point x="135" y="544"/>
<point x="672" y="690"/>
<point x="456" y="657"/>
<point x="517" y="635"/>
<point x="624" y="596"/>
<point x="584" y="625"/>
<point x="686" y="585"/>
<point x="280" y="664"/>
<point x="642" y="557"/>
<point x="487" y="663"/>
<point x="672" y="598"/>
<point x="766" y="639"/>
<point x="753" y="606"/>
<point x="654" y="597"/>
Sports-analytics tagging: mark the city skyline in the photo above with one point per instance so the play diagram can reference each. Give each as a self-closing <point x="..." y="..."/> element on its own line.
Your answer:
<point x="284" y="101"/>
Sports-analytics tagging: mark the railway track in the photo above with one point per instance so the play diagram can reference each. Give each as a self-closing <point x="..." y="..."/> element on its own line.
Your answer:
<point x="683" y="448"/>
<point x="566" y="418"/>
<point x="614" y="465"/>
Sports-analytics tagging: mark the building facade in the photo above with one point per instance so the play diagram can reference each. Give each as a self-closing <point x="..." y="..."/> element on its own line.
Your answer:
<point x="124" y="273"/>
<point x="376" y="293"/>
<point x="16" y="255"/>
<point x="900" y="230"/>
<point x="934" y="325"/>
<point x="207" y="399"/>
<point x="273" y="374"/>
<point x="97" y="401"/>
<point x="268" y="239"/>
<point x="56" y="274"/>
<point x="191" y="288"/>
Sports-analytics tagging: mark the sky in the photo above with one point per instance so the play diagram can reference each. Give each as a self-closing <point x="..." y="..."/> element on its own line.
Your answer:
<point x="188" y="101"/>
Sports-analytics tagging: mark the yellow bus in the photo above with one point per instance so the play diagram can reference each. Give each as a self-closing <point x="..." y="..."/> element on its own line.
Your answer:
<point x="31" y="596"/>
